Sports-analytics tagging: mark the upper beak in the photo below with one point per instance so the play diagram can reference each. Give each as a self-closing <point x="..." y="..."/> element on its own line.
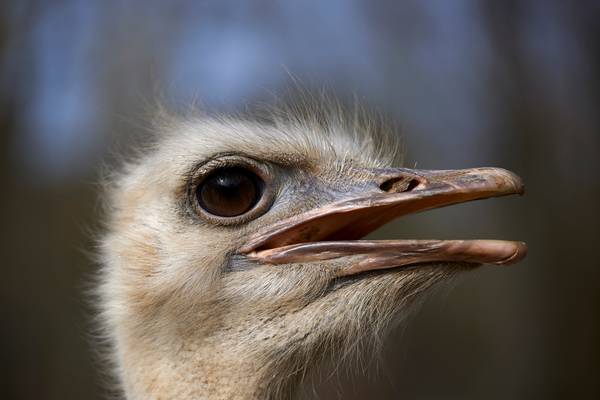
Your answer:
<point x="331" y="231"/>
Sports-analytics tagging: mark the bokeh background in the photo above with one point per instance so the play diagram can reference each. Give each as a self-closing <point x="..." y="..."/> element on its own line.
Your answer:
<point x="497" y="83"/>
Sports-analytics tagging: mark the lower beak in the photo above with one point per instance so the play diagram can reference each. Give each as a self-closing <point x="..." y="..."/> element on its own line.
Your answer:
<point x="331" y="231"/>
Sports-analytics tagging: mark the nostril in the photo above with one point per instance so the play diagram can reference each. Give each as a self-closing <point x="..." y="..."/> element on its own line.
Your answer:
<point x="399" y="185"/>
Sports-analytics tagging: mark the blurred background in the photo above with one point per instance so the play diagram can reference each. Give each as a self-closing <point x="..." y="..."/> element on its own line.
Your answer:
<point x="472" y="83"/>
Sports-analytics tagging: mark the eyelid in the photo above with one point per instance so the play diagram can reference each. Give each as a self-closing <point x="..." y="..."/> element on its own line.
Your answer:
<point x="263" y="170"/>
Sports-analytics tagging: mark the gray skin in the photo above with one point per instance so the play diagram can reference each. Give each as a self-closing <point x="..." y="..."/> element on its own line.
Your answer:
<point x="196" y="306"/>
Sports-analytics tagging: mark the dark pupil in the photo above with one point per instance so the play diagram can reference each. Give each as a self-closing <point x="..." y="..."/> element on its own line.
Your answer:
<point x="229" y="192"/>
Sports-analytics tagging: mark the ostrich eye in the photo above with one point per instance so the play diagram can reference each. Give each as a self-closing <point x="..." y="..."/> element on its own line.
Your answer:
<point x="229" y="192"/>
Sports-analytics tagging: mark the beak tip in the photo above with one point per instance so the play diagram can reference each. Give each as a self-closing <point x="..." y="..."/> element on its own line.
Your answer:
<point x="520" y="186"/>
<point x="510" y="180"/>
<point x="519" y="253"/>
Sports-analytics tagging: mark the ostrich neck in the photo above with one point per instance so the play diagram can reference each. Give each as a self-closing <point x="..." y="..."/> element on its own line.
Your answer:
<point x="203" y="370"/>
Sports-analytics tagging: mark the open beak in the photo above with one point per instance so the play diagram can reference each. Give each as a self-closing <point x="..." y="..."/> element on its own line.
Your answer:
<point x="332" y="231"/>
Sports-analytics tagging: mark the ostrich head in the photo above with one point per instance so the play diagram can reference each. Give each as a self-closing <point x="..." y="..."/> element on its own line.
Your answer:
<point x="233" y="261"/>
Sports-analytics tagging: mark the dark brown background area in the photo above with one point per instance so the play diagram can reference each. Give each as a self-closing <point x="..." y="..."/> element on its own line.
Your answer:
<point x="512" y="84"/>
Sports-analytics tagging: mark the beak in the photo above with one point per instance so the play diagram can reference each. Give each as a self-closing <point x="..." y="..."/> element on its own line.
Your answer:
<point x="331" y="231"/>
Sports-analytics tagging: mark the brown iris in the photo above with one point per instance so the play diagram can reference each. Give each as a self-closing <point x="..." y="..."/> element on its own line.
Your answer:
<point x="229" y="192"/>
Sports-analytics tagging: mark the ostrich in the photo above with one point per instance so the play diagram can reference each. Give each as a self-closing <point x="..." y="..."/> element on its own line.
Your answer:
<point x="232" y="264"/>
